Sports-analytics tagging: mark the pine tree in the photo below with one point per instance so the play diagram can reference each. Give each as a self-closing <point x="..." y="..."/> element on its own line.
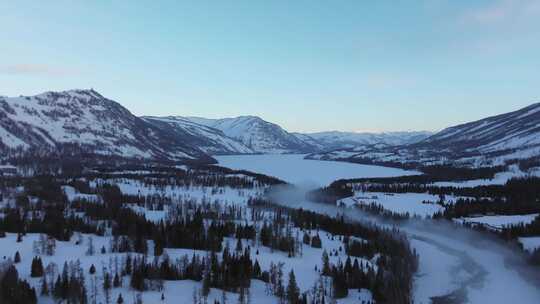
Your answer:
<point x="116" y="281"/>
<point x="17" y="258"/>
<point x="120" y="300"/>
<point x="326" y="263"/>
<point x="36" y="269"/>
<point x="223" y="297"/>
<point x="107" y="286"/>
<point x="293" y="292"/>
<point x="158" y="246"/>
<point x="316" y="242"/>
<point x="44" y="287"/>
<point x="239" y="245"/>
<point x="206" y="283"/>
<point x="90" y="250"/>
<point x="92" y="269"/>
<point x="128" y="267"/>
<point x="256" y="269"/>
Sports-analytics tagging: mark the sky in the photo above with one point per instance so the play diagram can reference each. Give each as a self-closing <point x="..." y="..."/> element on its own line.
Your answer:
<point x="306" y="65"/>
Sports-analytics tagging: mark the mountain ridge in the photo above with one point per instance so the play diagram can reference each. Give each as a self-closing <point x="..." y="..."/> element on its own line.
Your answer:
<point x="77" y="122"/>
<point x="493" y="140"/>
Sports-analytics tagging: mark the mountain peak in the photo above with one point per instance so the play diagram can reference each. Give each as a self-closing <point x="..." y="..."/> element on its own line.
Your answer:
<point x="82" y="94"/>
<point x="83" y="121"/>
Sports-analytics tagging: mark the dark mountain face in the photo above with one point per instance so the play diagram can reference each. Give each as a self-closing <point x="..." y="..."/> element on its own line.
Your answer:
<point x="83" y="121"/>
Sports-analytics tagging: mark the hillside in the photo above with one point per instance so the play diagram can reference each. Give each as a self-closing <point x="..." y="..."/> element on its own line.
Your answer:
<point x="83" y="122"/>
<point x="259" y="135"/>
<point x="491" y="141"/>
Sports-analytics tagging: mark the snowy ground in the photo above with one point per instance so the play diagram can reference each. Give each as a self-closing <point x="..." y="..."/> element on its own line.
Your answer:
<point x="72" y="194"/>
<point x="458" y="257"/>
<point x="499" y="221"/>
<point x="297" y="170"/>
<point x="530" y="243"/>
<point x="223" y="195"/>
<point x="400" y="202"/>
<point x="178" y="291"/>
<point x="499" y="179"/>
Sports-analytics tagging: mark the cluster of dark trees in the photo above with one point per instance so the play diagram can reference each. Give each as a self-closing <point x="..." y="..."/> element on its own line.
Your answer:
<point x="13" y="290"/>
<point x="401" y="184"/>
<point x="69" y="286"/>
<point x="526" y="164"/>
<point x="330" y="194"/>
<point x="232" y="271"/>
<point x="396" y="266"/>
<point x="51" y="220"/>
<point x="280" y="238"/>
<point x="355" y="275"/>
<point x="313" y="241"/>
<point x="519" y="189"/>
<point x="196" y="175"/>
<point x="203" y="227"/>
<point x="187" y="230"/>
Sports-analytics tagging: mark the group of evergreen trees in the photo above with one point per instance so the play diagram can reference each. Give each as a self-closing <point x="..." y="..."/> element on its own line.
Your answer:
<point x="202" y="227"/>
<point x="391" y="283"/>
<point x="13" y="290"/>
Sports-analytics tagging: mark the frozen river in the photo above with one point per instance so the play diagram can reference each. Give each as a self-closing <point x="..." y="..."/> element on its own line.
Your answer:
<point x="293" y="168"/>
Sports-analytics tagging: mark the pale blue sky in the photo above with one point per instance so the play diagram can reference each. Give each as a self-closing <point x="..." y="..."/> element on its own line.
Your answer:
<point x="307" y="65"/>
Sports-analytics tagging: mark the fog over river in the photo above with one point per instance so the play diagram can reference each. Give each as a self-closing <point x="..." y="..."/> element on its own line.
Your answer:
<point x="455" y="263"/>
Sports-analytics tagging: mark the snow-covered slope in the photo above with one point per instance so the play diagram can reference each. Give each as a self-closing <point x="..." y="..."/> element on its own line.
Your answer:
<point x="265" y="137"/>
<point x="490" y="141"/>
<point x="516" y="130"/>
<point x="84" y="122"/>
<point x="257" y="134"/>
<point x="339" y="140"/>
<point x="210" y="140"/>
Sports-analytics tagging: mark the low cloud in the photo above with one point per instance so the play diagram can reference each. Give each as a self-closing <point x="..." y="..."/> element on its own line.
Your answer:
<point x="504" y="12"/>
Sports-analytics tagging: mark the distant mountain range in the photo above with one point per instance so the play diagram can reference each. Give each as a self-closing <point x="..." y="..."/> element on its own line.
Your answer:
<point x="337" y="139"/>
<point x="83" y="122"/>
<point x="487" y="142"/>
<point x="261" y="136"/>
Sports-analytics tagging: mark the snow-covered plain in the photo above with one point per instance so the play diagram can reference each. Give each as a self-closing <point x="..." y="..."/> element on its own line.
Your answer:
<point x="499" y="179"/>
<point x="295" y="169"/>
<point x="412" y="203"/>
<point x="306" y="267"/>
<point x="499" y="221"/>
<point x="177" y="291"/>
<point x="530" y="243"/>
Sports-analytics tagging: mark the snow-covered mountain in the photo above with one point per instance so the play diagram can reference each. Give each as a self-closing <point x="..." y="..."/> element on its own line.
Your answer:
<point x="490" y="141"/>
<point x="208" y="139"/>
<point x="257" y="134"/>
<point x="339" y="140"/>
<point x="265" y="137"/>
<point x="86" y="123"/>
